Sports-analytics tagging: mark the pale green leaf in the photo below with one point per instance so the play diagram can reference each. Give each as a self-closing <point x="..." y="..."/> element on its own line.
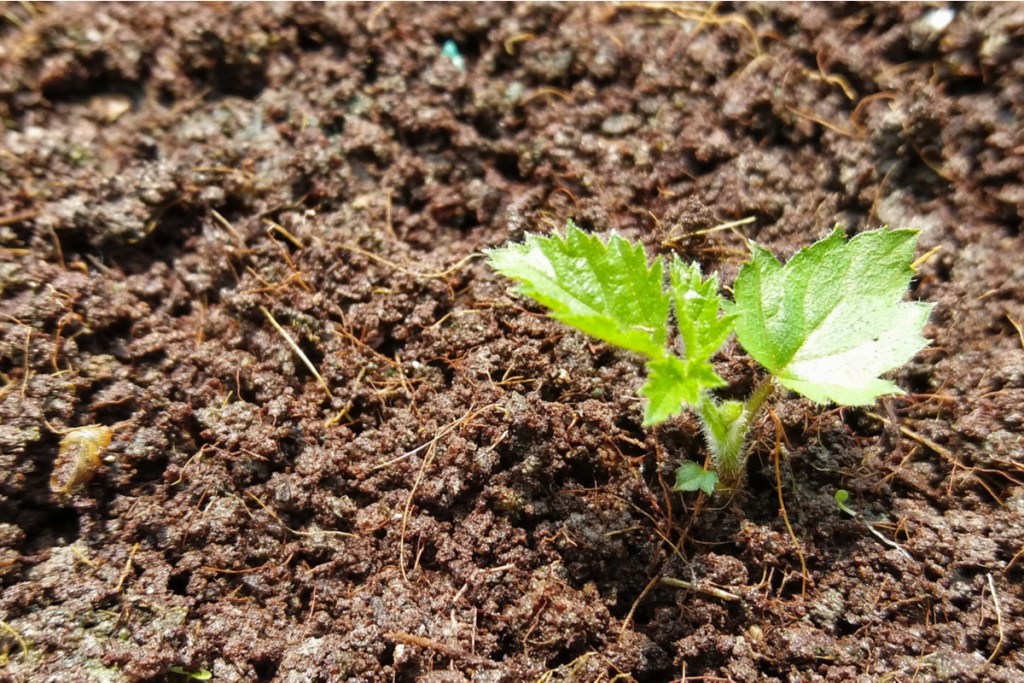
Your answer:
<point x="833" y="319"/>
<point x="605" y="289"/>
<point x="673" y="383"/>
<point x="692" y="477"/>
<point x="698" y="307"/>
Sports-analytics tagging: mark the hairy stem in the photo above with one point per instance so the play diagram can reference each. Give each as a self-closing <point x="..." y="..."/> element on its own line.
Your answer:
<point x="725" y="430"/>
<point x="762" y="392"/>
<point x="725" y="426"/>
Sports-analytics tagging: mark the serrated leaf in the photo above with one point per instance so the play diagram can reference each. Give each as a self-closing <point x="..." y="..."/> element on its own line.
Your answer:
<point x="832" y="320"/>
<point x="673" y="383"/>
<point x="692" y="477"/>
<point x="605" y="289"/>
<point x="698" y="306"/>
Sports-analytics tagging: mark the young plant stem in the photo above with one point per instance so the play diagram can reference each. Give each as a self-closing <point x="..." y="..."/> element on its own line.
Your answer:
<point x="725" y="430"/>
<point x="762" y="392"/>
<point x="725" y="426"/>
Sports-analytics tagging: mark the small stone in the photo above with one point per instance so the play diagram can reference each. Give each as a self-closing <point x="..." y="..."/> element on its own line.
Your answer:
<point x="620" y="124"/>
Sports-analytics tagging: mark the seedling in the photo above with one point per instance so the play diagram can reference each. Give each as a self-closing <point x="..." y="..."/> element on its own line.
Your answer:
<point x="826" y="324"/>
<point x="842" y="495"/>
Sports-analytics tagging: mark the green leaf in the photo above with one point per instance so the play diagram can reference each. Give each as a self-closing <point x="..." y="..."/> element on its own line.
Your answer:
<point x="690" y="477"/>
<point x="698" y="306"/>
<point x="605" y="289"/>
<point x="832" y="320"/>
<point x="673" y="383"/>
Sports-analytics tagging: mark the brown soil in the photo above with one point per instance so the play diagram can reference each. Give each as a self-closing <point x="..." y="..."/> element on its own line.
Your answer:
<point x="469" y="495"/>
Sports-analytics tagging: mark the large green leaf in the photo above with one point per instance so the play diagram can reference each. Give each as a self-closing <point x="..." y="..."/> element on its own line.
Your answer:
<point x="833" y="319"/>
<point x="605" y="289"/>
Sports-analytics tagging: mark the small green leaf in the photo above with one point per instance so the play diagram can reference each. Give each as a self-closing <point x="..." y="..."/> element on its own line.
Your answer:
<point x="673" y="383"/>
<point x="605" y="289"/>
<point x="200" y="675"/>
<point x="698" y="306"/>
<point x="832" y="320"/>
<point x="692" y="477"/>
